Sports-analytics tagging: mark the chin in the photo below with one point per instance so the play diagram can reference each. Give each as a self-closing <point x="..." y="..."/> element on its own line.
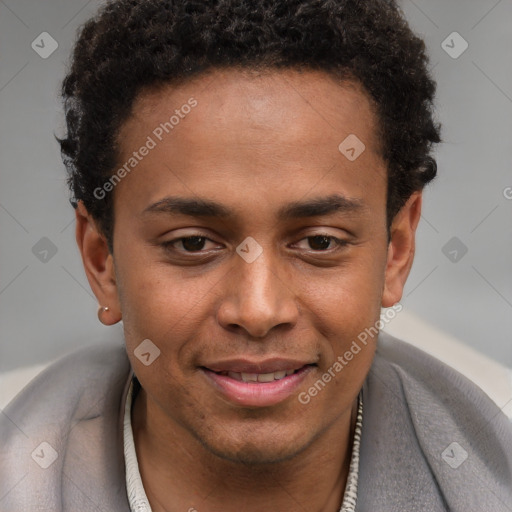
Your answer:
<point x="264" y="449"/>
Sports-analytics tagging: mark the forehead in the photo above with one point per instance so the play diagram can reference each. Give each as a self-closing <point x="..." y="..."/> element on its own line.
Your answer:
<point x="275" y="99"/>
<point x="283" y="130"/>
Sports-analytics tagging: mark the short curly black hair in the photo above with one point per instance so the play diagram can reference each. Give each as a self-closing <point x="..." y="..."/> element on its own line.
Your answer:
<point x="130" y="45"/>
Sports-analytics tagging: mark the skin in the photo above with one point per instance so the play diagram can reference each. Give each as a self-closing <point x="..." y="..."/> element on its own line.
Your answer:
<point x="255" y="142"/>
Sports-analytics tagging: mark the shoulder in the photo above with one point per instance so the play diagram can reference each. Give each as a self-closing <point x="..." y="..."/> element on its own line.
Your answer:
<point x="66" y="423"/>
<point x="440" y="423"/>
<point x="72" y="378"/>
<point x="423" y="376"/>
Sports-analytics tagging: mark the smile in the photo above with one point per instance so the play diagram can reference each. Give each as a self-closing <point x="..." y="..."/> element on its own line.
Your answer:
<point x="258" y="377"/>
<point x="251" y="389"/>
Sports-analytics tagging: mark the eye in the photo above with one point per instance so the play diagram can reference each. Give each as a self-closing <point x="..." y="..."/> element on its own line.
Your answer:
<point x="196" y="244"/>
<point x="324" y="243"/>
<point x="188" y="244"/>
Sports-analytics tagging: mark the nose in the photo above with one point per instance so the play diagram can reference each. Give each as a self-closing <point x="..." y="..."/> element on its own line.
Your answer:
<point x="258" y="297"/>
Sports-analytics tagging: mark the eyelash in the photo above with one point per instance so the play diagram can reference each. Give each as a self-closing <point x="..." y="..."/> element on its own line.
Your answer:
<point x="337" y="241"/>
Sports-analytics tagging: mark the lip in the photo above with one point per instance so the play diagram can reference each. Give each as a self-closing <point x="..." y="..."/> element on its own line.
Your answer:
<point x="257" y="394"/>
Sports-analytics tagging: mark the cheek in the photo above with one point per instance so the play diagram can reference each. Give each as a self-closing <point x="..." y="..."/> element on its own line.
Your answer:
<point x="160" y="306"/>
<point x="348" y="299"/>
<point x="347" y="307"/>
<point x="159" y="300"/>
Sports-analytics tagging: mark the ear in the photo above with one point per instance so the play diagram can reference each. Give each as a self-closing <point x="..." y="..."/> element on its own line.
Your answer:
<point x="98" y="265"/>
<point x="401" y="249"/>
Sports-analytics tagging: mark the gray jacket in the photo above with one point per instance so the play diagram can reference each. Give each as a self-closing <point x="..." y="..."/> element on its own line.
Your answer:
<point x="431" y="440"/>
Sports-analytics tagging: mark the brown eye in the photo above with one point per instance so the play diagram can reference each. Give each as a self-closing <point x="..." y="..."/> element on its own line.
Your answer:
<point x="193" y="243"/>
<point x="319" y="242"/>
<point x="188" y="244"/>
<point x="322" y="243"/>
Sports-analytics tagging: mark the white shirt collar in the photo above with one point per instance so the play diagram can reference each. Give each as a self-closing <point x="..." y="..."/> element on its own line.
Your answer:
<point x="137" y="495"/>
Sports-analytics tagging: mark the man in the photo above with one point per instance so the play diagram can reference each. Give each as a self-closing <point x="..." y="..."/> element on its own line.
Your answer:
<point x="247" y="179"/>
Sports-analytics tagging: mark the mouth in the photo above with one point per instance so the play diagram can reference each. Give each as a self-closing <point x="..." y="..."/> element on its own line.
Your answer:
<point x="257" y="389"/>
<point x="258" y="377"/>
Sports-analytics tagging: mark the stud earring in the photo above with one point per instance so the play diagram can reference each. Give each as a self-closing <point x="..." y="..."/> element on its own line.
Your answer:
<point x="101" y="311"/>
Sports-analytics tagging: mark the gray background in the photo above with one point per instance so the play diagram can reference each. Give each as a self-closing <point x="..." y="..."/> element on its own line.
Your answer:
<point x="47" y="308"/>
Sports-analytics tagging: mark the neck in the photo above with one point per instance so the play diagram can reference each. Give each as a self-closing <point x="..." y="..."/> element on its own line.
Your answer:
<point x="180" y="474"/>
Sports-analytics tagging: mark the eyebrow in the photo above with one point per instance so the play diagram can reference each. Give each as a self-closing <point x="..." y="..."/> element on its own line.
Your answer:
<point x="316" y="207"/>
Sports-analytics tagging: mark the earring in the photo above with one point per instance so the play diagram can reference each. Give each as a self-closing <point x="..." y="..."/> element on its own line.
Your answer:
<point x="101" y="311"/>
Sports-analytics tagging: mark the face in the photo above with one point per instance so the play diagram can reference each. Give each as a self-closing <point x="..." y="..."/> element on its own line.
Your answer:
<point x="249" y="246"/>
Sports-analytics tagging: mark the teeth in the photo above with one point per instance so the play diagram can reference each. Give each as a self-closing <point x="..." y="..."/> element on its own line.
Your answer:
<point x="260" y="377"/>
<point x="265" y="377"/>
<point x="250" y="377"/>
